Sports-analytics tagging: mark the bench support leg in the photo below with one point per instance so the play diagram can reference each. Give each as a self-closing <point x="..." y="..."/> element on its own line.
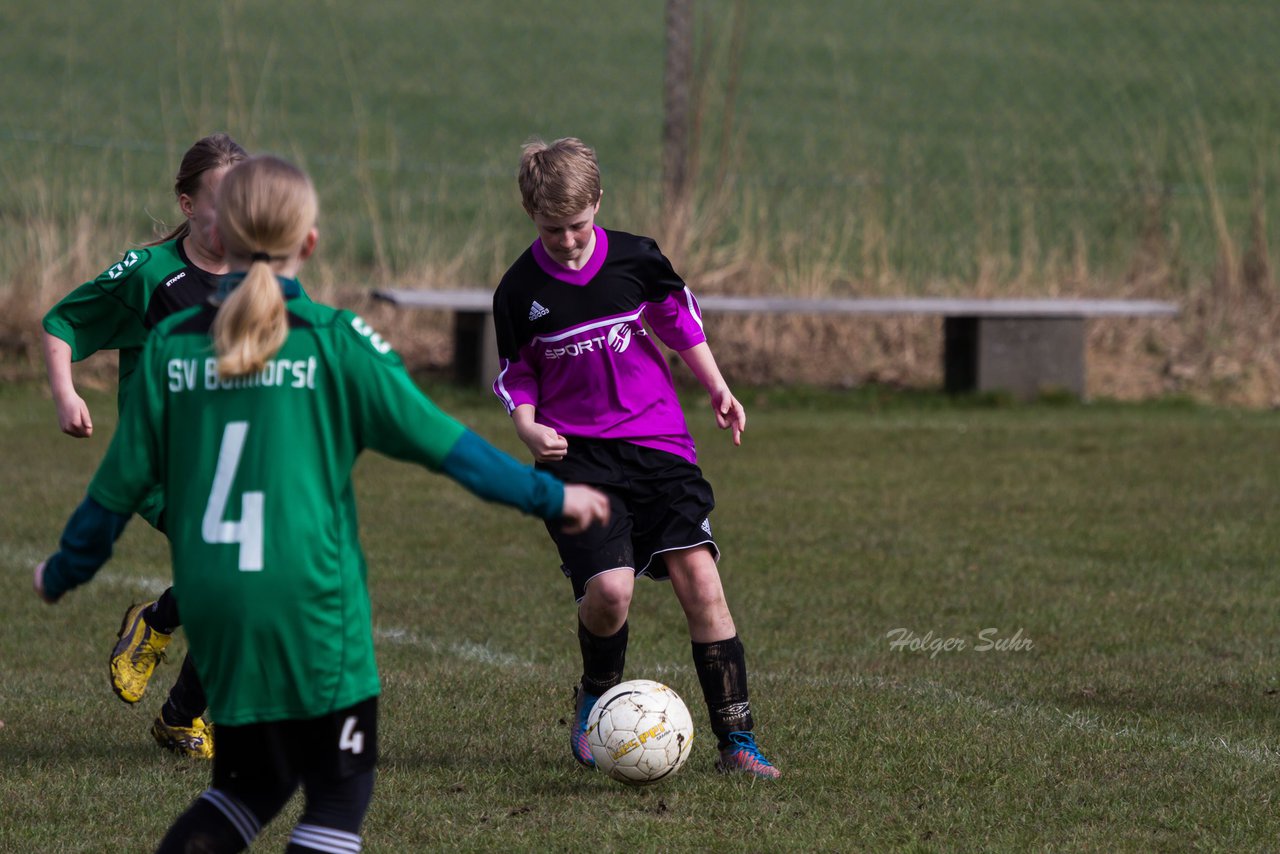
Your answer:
<point x="1025" y="356"/>
<point x="475" y="348"/>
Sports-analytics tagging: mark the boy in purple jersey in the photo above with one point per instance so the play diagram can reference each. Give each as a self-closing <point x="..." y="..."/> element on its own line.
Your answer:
<point x="590" y="393"/>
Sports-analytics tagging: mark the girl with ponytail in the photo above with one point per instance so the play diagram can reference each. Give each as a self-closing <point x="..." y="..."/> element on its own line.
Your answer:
<point x="251" y="411"/>
<point x="267" y="226"/>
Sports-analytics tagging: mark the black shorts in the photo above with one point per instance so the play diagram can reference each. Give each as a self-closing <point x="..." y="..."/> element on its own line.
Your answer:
<point x="659" y="503"/>
<point x="262" y="759"/>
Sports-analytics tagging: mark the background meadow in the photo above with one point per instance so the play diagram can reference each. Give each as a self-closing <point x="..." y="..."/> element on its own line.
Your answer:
<point x="1066" y="147"/>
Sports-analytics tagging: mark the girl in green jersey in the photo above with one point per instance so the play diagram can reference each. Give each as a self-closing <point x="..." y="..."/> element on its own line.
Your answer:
<point x="117" y="311"/>
<point x="251" y="413"/>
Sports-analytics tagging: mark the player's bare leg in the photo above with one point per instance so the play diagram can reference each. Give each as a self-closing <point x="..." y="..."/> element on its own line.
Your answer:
<point x="719" y="659"/>
<point x="602" y="637"/>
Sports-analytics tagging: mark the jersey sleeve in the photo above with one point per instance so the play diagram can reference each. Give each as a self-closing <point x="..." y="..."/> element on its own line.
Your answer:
<point x="676" y="320"/>
<point x="516" y="384"/>
<point x="496" y="476"/>
<point x="133" y="465"/>
<point x="390" y="414"/>
<point x="517" y="381"/>
<point x="395" y="418"/>
<point x="87" y="542"/>
<point x="671" y="310"/>
<point x="106" y="313"/>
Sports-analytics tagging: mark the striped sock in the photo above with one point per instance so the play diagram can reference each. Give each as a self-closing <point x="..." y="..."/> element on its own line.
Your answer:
<point x="245" y="822"/>
<point x="313" y="837"/>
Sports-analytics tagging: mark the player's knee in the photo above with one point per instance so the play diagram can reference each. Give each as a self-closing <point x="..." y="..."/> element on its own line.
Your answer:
<point x="611" y="592"/>
<point x="608" y="597"/>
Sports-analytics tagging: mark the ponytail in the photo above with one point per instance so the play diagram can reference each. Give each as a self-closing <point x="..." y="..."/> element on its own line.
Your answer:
<point x="251" y="324"/>
<point x="266" y="209"/>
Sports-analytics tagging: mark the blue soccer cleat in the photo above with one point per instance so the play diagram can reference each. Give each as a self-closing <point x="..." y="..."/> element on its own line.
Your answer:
<point x="583" y="703"/>
<point x="741" y="754"/>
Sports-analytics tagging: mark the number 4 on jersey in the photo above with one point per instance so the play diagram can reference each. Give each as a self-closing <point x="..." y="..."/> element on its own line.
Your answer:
<point x="247" y="531"/>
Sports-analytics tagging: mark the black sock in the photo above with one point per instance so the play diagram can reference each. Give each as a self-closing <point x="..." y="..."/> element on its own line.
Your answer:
<point x="722" y="672"/>
<point x="186" y="698"/>
<point x="203" y="827"/>
<point x="602" y="659"/>
<point x="163" y="614"/>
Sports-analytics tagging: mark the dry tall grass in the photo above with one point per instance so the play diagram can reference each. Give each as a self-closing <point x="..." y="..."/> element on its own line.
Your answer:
<point x="1222" y="348"/>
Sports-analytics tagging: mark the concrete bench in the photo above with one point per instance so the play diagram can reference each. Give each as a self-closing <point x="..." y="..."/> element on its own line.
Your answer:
<point x="1020" y="346"/>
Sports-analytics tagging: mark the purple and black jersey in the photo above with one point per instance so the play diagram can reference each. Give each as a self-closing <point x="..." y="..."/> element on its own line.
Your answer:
<point x="576" y="345"/>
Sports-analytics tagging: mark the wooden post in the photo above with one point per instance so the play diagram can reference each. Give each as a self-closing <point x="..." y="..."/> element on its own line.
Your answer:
<point x="677" y="116"/>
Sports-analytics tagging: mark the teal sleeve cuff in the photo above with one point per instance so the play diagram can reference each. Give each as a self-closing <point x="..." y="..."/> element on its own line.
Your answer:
<point x="495" y="476"/>
<point x="87" y="543"/>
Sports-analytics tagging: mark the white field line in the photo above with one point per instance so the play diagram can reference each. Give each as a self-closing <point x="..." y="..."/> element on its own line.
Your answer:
<point x="1052" y="716"/>
<point x="1251" y="751"/>
<point x="465" y="650"/>
<point x="23" y="558"/>
<point x="154" y="586"/>
<point x="149" y="584"/>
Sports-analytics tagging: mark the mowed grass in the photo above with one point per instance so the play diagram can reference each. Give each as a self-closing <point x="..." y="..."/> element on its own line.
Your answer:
<point x="1124" y="555"/>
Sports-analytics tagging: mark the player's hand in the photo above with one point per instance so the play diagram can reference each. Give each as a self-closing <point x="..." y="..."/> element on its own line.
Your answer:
<point x="729" y="413"/>
<point x="73" y="416"/>
<point x="37" y="581"/>
<point x="546" y="444"/>
<point x="584" y="506"/>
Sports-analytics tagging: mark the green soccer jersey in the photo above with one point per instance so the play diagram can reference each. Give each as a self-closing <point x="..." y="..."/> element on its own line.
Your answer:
<point x="118" y="309"/>
<point x="261" y="514"/>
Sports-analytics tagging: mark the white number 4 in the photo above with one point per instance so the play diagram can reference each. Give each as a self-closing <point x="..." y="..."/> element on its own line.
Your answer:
<point x="351" y="738"/>
<point x="247" y="531"/>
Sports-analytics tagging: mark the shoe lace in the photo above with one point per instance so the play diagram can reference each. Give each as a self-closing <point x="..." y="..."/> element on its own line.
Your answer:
<point x="146" y="657"/>
<point x="745" y="742"/>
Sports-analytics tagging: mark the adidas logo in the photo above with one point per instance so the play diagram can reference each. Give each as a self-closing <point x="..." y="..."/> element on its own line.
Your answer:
<point x="706" y="526"/>
<point x="536" y="311"/>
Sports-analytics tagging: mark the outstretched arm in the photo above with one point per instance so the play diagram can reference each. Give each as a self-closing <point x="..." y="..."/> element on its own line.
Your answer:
<point x="73" y="412"/>
<point x="87" y="543"/>
<point x="729" y="412"/>
<point x="495" y="476"/>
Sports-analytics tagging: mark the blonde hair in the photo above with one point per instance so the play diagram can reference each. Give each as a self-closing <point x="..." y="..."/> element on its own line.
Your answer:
<point x="206" y="154"/>
<point x="558" y="179"/>
<point x="266" y="208"/>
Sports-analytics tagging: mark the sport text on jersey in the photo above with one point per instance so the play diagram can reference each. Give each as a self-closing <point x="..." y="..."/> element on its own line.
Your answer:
<point x="617" y="339"/>
<point x="186" y="375"/>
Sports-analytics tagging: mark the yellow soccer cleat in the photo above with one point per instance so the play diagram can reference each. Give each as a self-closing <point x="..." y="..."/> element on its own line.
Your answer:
<point x="195" y="741"/>
<point x="139" y="649"/>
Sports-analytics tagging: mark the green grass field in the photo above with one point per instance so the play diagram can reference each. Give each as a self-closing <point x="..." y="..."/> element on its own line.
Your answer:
<point x="1132" y="546"/>
<point x="929" y="142"/>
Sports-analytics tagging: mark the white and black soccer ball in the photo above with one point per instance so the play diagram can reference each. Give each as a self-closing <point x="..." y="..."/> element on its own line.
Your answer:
<point x="640" y="732"/>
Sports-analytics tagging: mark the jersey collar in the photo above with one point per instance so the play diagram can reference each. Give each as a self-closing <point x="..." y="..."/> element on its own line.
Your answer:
<point x="556" y="270"/>
<point x="291" y="287"/>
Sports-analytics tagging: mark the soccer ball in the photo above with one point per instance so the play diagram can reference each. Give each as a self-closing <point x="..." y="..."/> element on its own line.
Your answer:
<point x="639" y="732"/>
